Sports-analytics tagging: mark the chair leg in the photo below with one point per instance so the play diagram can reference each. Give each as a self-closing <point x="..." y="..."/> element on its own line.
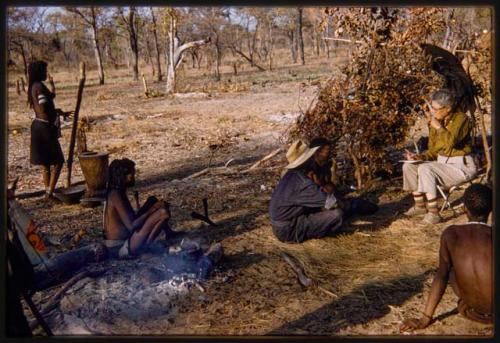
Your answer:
<point x="446" y="203"/>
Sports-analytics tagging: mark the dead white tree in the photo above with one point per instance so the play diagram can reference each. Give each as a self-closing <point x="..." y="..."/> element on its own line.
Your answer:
<point x="90" y="17"/>
<point x="176" y="49"/>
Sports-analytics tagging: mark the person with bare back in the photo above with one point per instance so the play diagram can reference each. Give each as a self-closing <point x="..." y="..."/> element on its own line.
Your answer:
<point x="128" y="233"/>
<point x="465" y="260"/>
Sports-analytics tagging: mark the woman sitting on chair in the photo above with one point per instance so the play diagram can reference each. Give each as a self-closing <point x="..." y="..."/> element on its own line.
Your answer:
<point x="448" y="160"/>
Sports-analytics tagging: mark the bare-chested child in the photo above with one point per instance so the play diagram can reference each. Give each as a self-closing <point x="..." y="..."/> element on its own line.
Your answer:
<point x="465" y="261"/>
<point x="126" y="232"/>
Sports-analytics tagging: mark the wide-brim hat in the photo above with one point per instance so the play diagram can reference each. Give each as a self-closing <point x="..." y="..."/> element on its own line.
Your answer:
<point x="295" y="150"/>
<point x="298" y="154"/>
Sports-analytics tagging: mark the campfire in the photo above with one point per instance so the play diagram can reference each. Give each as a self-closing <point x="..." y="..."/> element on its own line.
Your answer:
<point x="131" y="292"/>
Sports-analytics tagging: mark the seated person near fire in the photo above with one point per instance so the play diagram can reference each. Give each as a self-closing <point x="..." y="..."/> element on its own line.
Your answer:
<point x="127" y="233"/>
<point x="299" y="208"/>
<point x="465" y="260"/>
<point x="321" y="174"/>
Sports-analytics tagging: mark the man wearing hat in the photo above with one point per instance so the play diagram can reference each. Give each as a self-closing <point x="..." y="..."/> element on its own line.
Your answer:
<point x="299" y="208"/>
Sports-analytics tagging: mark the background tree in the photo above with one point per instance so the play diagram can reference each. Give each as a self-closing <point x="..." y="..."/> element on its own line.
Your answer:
<point x="154" y="30"/>
<point x="91" y="17"/>
<point x="27" y="36"/>
<point x="246" y="32"/>
<point x="130" y="22"/>
<point x="176" y="48"/>
<point x="300" y="38"/>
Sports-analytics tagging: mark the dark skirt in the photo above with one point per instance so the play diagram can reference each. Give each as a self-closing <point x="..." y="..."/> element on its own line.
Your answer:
<point x="45" y="148"/>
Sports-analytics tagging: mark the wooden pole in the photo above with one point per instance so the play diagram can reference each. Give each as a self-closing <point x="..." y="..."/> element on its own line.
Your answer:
<point x="484" y="138"/>
<point x="37" y="313"/>
<point x="18" y="87"/>
<point x="146" y="90"/>
<point x="81" y="84"/>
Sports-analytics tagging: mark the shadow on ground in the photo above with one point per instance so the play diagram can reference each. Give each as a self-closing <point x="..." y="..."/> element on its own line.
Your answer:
<point x="232" y="226"/>
<point x="190" y="167"/>
<point x="383" y="218"/>
<point x="241" y="260"/>
<point x="363" y="305"/>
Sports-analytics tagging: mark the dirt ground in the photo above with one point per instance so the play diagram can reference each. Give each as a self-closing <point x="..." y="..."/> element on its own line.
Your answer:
<point x="377" y="271"/>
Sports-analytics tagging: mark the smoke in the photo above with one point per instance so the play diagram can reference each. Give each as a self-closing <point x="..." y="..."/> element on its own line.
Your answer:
<point x="132" y="293"/>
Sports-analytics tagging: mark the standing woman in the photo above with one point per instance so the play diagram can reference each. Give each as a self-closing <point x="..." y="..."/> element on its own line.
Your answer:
<point x="45" y="149"/>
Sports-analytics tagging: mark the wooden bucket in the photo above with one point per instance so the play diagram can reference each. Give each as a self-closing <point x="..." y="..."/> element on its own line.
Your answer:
<point x="95" y="170"/>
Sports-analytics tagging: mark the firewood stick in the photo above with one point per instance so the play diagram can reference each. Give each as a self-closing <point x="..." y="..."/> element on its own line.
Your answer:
<point x="298" y="270"/>
<point x="196" y="215"/>
<point x="201" y="172"/>
<point x="54" y="301"/>
<point x="326" y="291"/>
<point x="81" y="84"/>
<point x="303" y="279"/>
<point x="262" y="160"/>
<point x="18" y="87"/>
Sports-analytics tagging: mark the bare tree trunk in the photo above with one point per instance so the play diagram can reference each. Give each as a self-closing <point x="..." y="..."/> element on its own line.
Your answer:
<point x="25" y="62"/>
<point x="193" y="60"/>
<point x="176" y="52"/>
<point x="318" y="41"/>
<point x="149" y="57"/>
<point x="217" y="57"/>
<point x="248" y="58"/>
<point x="271" y="45"/>
<point x="157" y="47"/>
<point x="327" y="43"/>
<point x="97" y="54"/>
<point x="198" y="57"/>
<point x="133" y="43"/>
<point x="300" y="36"/>
<point x="293" y="45"/>
<point x="170" y="87"/>
<point x="20" y="49"/>
<point x="217" y="63"/>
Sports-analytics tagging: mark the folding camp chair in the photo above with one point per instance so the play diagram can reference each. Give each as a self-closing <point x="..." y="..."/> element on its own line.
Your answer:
<point x="446" y="192"/>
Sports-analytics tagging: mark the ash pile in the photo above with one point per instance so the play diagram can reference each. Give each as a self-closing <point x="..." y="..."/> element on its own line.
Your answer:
<point x="133" y="292"/>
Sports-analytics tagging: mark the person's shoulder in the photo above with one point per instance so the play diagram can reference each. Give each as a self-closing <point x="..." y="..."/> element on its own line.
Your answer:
<point x="37" y="86"/>
<point x="461" y="116"/>
<point x="115" y="194"/>
<point x="450" y="232"/>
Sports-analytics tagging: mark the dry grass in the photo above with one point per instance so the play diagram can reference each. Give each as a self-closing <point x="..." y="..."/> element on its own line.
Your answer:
<point x="380" y="268"/>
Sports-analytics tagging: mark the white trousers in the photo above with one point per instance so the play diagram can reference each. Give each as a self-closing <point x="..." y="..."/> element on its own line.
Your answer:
<point x="425" y="176"/>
